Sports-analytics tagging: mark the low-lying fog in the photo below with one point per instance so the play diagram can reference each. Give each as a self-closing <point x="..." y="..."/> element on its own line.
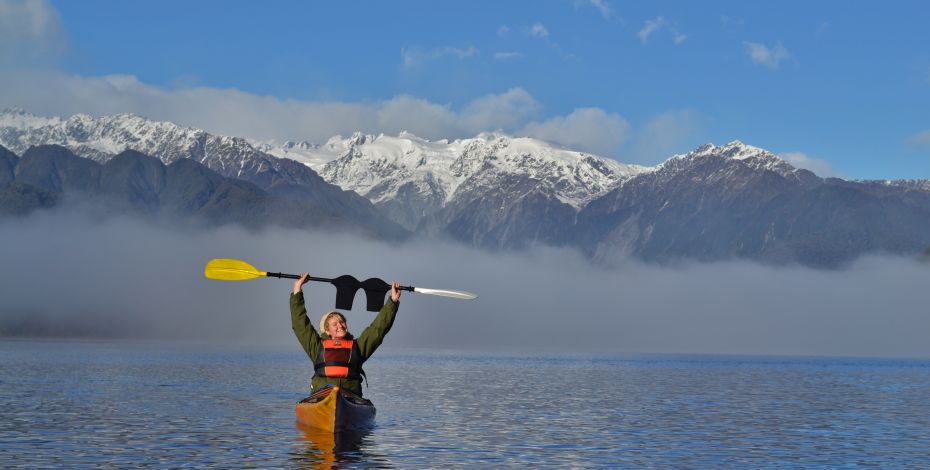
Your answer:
<point x="139" y="279"/>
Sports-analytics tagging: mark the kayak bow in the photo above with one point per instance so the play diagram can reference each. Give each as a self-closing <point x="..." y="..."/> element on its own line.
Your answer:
<point x="333" y="409"/>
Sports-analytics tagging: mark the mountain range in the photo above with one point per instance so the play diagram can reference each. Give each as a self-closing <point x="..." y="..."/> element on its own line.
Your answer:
<point x="492" y="191"/>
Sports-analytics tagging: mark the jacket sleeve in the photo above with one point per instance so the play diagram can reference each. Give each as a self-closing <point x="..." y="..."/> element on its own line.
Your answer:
<point x="372" y="337"/>
<point x="306" y="333"/>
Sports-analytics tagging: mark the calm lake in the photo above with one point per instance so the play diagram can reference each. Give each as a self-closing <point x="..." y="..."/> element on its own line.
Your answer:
<point x="119" y="404"/>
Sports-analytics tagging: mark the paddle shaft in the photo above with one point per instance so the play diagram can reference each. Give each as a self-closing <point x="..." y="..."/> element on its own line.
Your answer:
<point x="321" y="279"/>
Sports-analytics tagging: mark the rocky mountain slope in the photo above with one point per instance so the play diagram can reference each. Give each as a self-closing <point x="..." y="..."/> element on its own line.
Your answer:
<point x="100" y="139"/>
<point x="500" y="192"/>
<point x="134" y="183"/>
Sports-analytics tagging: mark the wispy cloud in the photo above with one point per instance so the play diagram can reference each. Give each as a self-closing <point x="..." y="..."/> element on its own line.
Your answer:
<point x="650" y="27"/>
<point x="801" y="160"/>
<point x="229" y="111"/>
<point x="30" y="31"/>
<point x="415" y="56"/>
<point x="600" y="5"/>
<point x="507" y="56"/>
<point x="538" y="31"/>
<point x="770" y="57"/>
<point x="235" y="112"/>
<point x="664" y="135"/>
<point x="591" y="129"/>
<point x="503" y="30"/>
<point x="731" y="21"/>
<point x="823" y="28"/>
<point x="920" y="139"/>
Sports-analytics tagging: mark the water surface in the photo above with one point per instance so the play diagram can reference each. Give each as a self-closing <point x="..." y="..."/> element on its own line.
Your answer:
<point x="122" y="404"/>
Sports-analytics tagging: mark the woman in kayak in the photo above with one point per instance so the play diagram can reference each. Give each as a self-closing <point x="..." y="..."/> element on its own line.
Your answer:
<point x="337" y="355"/>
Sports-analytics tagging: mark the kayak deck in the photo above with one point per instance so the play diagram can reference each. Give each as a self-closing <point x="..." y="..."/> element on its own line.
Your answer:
<point x="333" y="409"/>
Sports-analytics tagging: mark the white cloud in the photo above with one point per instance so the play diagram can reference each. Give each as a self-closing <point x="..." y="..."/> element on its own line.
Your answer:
<point x="590" y="129"/>
<point x="504" y="111"/>
<point x="800" y="160"/>
<point x="769" y="57"/>
<point x="665" y="135"/>
<point x="415" y="56"/>
<point x="727" y="20"/>
<point x="824" y="27"/>
<point x="413" y="114"/>
<point x="507" y="56"/>
<point x="650" y="27"/>
<point x="538" y="31"/>
<point x="601" y="6"/>
<point x="234" y="112"/>
<point x="30" y="32"/>
<point x="503" y="30"/>
<point x="921" y="139"/>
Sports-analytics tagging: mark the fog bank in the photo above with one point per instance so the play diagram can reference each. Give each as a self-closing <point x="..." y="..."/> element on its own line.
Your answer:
<point x="146" y="280"/>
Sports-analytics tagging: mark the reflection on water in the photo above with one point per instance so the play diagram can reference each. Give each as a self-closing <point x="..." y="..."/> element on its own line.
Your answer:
<point x="119" y="405"/>
<point x="333" y="450"/>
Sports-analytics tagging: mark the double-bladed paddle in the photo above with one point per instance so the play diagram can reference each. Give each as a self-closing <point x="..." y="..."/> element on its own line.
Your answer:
<point x="236" y="270"/>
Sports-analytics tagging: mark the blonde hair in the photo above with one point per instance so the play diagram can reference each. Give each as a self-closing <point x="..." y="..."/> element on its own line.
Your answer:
<point x="326" y="319"/>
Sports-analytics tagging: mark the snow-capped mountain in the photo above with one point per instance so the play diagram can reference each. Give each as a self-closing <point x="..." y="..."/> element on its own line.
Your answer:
<point x="308" y="153"/>
<point x="737" y="201"/>
<point x="413" y="178"/>
<point x="407" y="177"/>
<point x="381" y="166"/>
<point x="497" y="191"/>
<point x="102" y="138"/>
<point x="754" y="157"/>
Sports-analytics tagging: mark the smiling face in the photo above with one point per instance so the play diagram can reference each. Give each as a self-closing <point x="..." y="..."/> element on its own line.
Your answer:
<point x="336" y="327"/>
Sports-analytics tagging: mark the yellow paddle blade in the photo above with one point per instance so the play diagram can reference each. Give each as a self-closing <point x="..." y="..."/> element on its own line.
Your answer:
<point x="231" y="270"/>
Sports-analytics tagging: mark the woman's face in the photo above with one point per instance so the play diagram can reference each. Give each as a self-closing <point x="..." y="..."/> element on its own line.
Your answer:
<point x="335" y="327"/>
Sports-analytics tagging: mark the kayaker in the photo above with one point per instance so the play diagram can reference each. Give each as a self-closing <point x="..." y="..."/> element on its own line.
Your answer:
<point x="337" y="355"/>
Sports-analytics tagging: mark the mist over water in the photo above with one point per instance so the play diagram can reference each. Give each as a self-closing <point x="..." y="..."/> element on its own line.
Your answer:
<point x="144" y="279"/>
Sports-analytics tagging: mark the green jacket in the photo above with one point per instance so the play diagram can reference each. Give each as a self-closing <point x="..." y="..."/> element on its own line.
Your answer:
<point x="367" y="342"/>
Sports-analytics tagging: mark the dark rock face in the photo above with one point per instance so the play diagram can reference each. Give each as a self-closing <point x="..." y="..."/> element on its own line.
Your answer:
<point x="137" y="178"/>
<point x="512" y="214"/>
<point x="714" y="204"/>
<point x="716" y="208"/>
<point x="137" y="183"/>
<point x="56" y="169"/>
<point x="8" y="161"/>
<point x="19" y="199"/>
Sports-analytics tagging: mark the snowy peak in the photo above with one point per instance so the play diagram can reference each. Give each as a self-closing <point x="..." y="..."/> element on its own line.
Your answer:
<point x="754" y="157"/>
<point x="19" y="119"/>
<point x="735" y="150"/>
<point x="98" y="138"/>
<point x="380" y="166"/>
<point x="101" y="138"/>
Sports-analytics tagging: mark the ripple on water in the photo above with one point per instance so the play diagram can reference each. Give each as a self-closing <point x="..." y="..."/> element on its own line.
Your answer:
<point x="86" y="404"/>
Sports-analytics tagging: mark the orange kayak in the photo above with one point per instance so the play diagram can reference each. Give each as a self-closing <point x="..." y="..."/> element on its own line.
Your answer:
<point x="335" y="410"/>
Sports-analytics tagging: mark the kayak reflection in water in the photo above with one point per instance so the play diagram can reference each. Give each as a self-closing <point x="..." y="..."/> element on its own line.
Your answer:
<point x="337" y="355"/>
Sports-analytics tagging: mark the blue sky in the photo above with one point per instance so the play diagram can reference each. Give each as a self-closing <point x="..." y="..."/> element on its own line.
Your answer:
<point x="840" y="87"/>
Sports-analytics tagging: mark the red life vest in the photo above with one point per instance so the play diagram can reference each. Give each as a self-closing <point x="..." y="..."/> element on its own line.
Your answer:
<point x="339" y="359"/>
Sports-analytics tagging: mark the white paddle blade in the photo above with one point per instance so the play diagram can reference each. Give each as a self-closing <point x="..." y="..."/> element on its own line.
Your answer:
<point x="458" y="294"/>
